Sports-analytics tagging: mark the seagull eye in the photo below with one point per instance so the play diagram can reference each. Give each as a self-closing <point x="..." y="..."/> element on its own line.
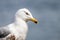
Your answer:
<point x="27" y="13"/>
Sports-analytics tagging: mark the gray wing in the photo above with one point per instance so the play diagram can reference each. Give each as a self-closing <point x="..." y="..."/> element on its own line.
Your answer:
<point x="4" y="31"/>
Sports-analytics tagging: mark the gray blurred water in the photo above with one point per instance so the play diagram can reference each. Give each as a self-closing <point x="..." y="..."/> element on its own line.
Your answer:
<point x="46" y="11"/>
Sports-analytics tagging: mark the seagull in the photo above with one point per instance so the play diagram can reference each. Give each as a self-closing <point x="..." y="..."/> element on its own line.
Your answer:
<point x="19" y="28"/>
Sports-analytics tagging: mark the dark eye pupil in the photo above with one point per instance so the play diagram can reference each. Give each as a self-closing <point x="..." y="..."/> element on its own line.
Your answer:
<point x="27" y="14"/>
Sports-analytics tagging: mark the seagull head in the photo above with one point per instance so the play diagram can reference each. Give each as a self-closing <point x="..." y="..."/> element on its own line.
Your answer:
<point x="25" y="15"/>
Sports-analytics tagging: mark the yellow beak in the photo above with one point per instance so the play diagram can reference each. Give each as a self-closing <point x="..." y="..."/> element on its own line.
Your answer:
<point x="34" y="20"/>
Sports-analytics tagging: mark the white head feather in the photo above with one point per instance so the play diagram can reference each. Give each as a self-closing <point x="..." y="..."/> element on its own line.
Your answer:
<point x="25" y="15"/>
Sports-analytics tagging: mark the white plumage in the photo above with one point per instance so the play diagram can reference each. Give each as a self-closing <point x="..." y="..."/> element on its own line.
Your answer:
<point x="19" y="28"/>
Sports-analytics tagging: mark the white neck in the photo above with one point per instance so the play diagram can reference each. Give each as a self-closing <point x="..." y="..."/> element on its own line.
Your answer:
<point x="20" y="22"/>
<point x="20" y="27"/>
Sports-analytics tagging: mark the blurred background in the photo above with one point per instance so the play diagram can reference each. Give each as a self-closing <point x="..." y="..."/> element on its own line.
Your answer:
<point x="46" y="11"/>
